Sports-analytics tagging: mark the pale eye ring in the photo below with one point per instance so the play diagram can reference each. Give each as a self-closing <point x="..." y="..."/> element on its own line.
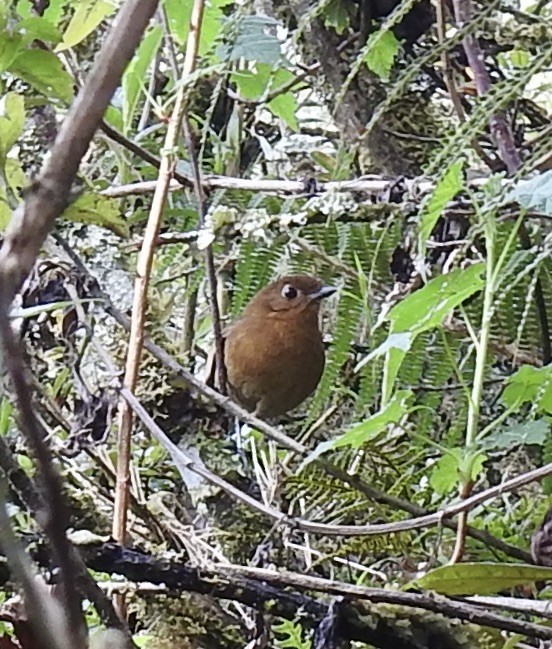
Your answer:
<point x="289" y="292"/>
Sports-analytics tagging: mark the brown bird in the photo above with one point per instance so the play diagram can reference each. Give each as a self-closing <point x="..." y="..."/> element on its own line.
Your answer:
<point x="274" y="352"/>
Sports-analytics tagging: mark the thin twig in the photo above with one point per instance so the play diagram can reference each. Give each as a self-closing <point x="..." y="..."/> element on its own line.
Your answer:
<point x="141" y="286"/>
<point x="448" y="77"/>
<point x="190" y="65"/>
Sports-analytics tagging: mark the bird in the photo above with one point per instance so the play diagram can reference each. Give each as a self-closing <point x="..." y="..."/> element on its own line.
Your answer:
<point x="274" y="353"/>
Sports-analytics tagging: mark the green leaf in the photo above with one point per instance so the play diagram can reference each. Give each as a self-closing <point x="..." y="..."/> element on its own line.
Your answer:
<point x="335" y="16"/>
<point x="529" y="432"/>
<point x="445" y="473"/>
<point x="254" y="39"/>
<point x="6" y="410"/>
<point x="5" y="210"/>
<point x="44" y="72"/>
<point x="10" y="46"/>
<point x="519" y="58"/>
<point x="426" y="308"/>
<point x="136" y="73"/>
<point x="14" y="175"/>
<point x="55" y="11"/>
<point x="24" y="462"/>
<point x="88" y="15"/>
<point x="368" y="429"/>
<point x="3" y="15"/>
<point x="479" y="578"/>
<point x="445" y="190"/>
<point x="394" y="347"/>
<point x="534" y="194"/>
<point x="382" y="48"/>
<point x="178" y="16"/>
<point x="12" y="119"/>
<point x="530" y="384"/>
<point x="285" y="107"/>
<point x="98" y="210"/>
<point x="37" y="27"/>
<point x="114" y="117"/>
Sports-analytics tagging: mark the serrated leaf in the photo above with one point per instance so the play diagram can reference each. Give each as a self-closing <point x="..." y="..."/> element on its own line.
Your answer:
<point x="37" y="27"/>
<point x="534" y="194"/>
<point x="368" y="429"/>
<point x="529" y="432"/>
<point x="382" y="48"/>
<point x="285" y="107"/>
<point x="479" y="578"/>
<point x="44" y="72"/>
<point x="445" y="190"/>
<point x="445" y="472"/>
<point x="533" y="384"/>
<point x="427" y="307"/>
<point x="335" y="16"/>
<point x="98" y="210"/>
<point x="136" y="72"/>
<point x="10" y="46"/>
<point x="12" y="119"/>
<point x="88" y="15"/>
<point x="254" y="39"/>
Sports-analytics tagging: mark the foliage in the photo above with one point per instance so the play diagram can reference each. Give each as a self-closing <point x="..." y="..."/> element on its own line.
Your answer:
<point x="434" y="383"/>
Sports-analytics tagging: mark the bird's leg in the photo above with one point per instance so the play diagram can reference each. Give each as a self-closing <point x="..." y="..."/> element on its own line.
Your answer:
<point x="239" y="447"/>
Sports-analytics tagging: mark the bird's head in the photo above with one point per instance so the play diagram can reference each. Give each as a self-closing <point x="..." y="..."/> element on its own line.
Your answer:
<point x="290" y="296"/>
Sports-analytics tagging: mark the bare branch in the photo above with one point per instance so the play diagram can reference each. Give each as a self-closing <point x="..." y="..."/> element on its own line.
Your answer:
<point x="45" y="200"/>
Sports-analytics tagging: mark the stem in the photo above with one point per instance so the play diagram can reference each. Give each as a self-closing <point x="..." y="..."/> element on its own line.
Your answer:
<point x="141" y="286"/>
<point x="482" y="346"/>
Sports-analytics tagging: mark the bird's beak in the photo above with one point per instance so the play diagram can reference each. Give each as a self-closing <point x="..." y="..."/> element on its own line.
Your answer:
<point x="323" y="292"/>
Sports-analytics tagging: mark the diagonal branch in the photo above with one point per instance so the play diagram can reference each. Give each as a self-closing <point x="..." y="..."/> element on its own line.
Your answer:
<point x="46" y="198"/>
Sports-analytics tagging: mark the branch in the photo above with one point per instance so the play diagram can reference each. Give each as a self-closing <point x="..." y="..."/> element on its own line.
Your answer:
<point x="46" y="198"/>
<point x="141" y="286"/>
<point x="46" y="616"/>
<point x="430" y="602"/>
<point x="271" y="590"/>
<point x="27" y="492"/>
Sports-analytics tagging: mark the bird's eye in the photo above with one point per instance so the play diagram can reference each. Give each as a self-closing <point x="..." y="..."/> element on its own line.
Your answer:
<point x="289" y="292"/>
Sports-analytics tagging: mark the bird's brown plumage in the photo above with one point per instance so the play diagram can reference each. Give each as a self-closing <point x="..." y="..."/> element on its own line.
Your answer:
<point x="274" y="353"/>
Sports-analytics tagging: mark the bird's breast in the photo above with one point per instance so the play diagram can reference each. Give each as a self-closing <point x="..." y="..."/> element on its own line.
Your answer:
<point x="273" y="364"/>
